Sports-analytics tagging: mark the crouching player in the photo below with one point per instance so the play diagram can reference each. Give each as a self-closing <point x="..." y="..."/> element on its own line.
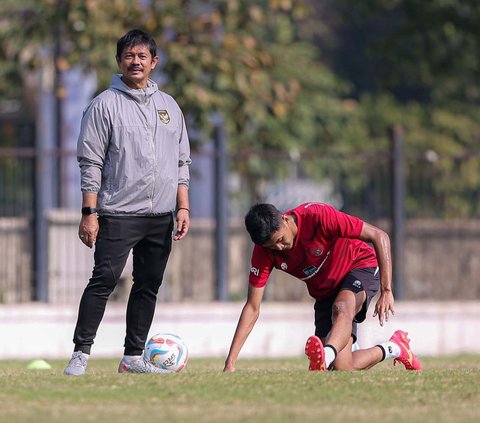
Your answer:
<point x="328" y="250"/>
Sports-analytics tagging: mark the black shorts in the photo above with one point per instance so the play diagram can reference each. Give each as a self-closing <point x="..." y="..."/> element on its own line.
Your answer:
<point x="367" y="279"/>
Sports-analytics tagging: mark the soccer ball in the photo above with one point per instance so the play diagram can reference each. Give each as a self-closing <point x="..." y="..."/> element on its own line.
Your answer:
<point x="167" y="351"/>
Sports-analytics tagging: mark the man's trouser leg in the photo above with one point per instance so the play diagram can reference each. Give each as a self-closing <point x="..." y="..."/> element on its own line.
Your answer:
<point x="116" y="237"/>
<point x="150" y="258"/>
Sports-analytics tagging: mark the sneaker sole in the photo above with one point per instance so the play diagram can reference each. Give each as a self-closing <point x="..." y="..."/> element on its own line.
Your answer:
<point x="316" y="354"/>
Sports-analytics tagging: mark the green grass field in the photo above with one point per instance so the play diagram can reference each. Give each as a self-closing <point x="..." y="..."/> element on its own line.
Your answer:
<point x="447" y="390"/>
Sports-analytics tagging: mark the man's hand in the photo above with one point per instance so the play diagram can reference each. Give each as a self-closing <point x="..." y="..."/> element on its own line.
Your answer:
<point x="183" y="223"/>
<point x="88" y="230"/>
<point x="384" y="306"/>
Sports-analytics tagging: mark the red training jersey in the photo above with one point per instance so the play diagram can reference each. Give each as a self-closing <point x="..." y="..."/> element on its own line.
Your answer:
<point x="325" y="249"/>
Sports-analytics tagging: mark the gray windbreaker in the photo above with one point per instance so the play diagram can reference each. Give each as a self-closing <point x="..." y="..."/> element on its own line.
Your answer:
<point x="133" y="150"/>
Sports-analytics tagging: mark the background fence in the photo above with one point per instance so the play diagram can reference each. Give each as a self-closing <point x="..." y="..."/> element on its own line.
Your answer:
<point x="440" y="253"/>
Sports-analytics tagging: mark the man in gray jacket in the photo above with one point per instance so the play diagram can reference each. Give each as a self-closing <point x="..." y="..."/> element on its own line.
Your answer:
<point x="134" y="156"/>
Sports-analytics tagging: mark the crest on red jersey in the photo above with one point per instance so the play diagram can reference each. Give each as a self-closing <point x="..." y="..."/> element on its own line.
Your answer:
<point x="317" y="251"/>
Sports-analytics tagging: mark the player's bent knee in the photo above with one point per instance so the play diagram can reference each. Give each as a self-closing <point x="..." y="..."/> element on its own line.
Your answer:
<point x="341" y="310"/>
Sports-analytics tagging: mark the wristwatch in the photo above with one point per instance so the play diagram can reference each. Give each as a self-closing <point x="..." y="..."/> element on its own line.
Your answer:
<point x="87" y="211"/>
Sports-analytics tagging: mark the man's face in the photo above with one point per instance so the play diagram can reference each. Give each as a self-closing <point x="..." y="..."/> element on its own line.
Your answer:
<point x="136" y="64"/>
<point x="282" y="239"/>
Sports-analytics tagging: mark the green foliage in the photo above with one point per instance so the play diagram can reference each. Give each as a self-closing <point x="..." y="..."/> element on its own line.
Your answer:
<point x="416" y="63"/>
<point x="87" y="30"/>
<point x="428" y="47"/>
<point x="443" y="164"/>
<point x="243" y="59"/>
<point x="240" y="58"/>
<point x="292" y="78"/>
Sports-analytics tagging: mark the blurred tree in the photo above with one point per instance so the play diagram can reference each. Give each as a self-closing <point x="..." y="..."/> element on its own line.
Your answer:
<point x="416" y="63"/>
<point x="428" y="49"/>
<point x="35" y="32"/>
<point x="294" y="77"/>
<point x="244" y="59"/>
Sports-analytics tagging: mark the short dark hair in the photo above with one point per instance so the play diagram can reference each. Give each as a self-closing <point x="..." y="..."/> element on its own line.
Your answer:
<point x="136" y="37"/>
<point x="262" y="221"/>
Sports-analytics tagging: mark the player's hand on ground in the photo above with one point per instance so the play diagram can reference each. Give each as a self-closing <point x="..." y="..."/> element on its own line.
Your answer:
<point x="183" y="224"/>
<point x="229" y="368"/>
<point x="384" y="307"/>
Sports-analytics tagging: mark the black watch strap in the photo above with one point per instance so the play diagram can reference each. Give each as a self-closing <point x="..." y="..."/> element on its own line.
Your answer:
<point x="87" y="211"/>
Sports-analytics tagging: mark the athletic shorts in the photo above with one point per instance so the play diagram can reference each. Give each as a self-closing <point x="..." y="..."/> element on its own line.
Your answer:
<point x="367" y="279"/>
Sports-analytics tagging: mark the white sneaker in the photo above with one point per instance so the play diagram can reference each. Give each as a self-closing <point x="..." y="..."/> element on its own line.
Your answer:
<point x="139" y="366"/>
<point x="77" y="365"/>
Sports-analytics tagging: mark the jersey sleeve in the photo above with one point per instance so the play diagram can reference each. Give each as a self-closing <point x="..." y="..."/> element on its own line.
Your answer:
<point x="336" y="223"/>
<point x="261" y="267"/>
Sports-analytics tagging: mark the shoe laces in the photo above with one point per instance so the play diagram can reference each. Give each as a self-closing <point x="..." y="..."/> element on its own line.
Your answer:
<point x="78" y="360"/>
<point x="151" y="367"/>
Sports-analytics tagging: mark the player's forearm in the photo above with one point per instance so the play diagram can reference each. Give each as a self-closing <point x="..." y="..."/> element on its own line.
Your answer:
<point x="381" y="243"/>
<point x="247" y="321"/>
<point x="383" y="251"/>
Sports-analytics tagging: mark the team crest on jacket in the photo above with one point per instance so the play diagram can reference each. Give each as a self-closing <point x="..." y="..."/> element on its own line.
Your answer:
<point x="317" y="251"/>
<point x="164" y="116"/>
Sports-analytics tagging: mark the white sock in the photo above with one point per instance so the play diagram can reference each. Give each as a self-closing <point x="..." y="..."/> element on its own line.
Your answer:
<point x="390" y="349"/>
<point x="329" y="355"/>
<point x="129" y="359"/>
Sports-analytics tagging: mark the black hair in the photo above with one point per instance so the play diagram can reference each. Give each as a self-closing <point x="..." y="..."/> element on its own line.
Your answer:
<point x="136" y="37"/>
<point x="262" y="221"/>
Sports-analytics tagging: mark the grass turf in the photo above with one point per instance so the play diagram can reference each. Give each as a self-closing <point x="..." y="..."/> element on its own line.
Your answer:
<point x="447" y="390"/>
